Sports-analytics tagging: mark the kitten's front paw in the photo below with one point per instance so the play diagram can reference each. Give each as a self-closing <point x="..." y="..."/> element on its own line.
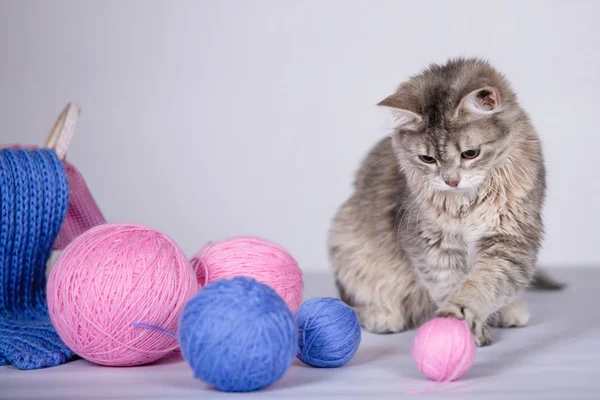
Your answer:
<point x="378" y="320"/>
<point x="481" y="332"/>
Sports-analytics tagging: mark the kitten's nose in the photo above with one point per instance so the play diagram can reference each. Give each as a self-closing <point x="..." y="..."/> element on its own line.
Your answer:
<point x="452" y="182"/>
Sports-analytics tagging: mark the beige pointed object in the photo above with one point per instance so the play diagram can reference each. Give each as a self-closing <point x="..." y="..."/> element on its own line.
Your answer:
<point x="61" y="134"/>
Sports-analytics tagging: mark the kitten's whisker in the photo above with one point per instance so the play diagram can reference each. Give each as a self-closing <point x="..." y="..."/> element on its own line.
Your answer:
<point x="493" y="193"/>
<point x="424" y="195"/>
<point x="422" y="205"/>
<point x="406" y="210"/>
<point x="510" y="170"/>
<point x="370" y="167"/>
<point x="520" y="169"/>
<point x="400" y="207"/>
<point x="490" y="188"/>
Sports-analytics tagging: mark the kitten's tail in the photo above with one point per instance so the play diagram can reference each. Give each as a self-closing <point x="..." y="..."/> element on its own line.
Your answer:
<point x="541" y="281"/>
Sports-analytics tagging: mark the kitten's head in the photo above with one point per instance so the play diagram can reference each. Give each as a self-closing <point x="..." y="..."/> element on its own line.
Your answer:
<point x="454" y="124"/>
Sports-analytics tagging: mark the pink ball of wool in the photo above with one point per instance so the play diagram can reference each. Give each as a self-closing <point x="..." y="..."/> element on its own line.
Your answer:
<point x="113" y="276"/>
<point x="444" y="349"/>
<point x="257" y="258"/>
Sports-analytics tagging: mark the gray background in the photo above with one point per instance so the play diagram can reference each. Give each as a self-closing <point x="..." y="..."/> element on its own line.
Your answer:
<point x="207" y="119"/>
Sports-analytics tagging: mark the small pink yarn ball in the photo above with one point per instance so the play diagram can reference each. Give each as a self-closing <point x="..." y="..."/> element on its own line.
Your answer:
<point x="444" y="349"/>
<point x="253" y="257"/>
<point x="110" y="277"/>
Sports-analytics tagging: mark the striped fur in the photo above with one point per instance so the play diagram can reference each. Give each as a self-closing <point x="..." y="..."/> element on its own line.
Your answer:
<point x="406" y="246"/>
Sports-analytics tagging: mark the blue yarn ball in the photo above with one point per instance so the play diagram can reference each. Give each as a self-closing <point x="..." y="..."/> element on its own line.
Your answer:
<point x="329" y="332"/>
<point x="238" y="335"/>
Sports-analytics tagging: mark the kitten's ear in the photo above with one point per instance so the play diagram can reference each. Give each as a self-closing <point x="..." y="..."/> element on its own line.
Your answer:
<point x="404" y="118"/>
<point x="482" y="102"/>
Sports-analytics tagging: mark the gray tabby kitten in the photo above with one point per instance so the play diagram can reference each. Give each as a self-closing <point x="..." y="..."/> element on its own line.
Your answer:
<point x="446" y="215"/>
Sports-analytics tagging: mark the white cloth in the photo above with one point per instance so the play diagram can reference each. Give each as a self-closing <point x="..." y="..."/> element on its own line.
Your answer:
<point x="556" y="357"/>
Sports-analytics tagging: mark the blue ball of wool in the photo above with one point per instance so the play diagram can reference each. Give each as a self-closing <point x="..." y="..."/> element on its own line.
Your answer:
<point x="329" y="332"/>
<point x="238" y="335"/>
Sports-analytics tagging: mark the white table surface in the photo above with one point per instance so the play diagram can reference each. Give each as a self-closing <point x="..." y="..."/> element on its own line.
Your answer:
<point x="556" y="357"/>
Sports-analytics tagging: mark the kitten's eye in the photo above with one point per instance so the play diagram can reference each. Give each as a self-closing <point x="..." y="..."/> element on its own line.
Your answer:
<point x="470" y="154"/>
<point x="427" y="159"/>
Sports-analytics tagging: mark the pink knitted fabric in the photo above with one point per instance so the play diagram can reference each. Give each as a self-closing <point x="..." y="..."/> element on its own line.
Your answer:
<point x="82" y="211"/>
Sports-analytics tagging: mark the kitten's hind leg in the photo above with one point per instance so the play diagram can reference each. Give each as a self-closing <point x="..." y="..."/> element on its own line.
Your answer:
<point x="389" y="303"/>
<point x="381" y="288"/>
<point x="373" y="315"/>
<point x="514" y="314"/>
<point x="373" y="275"/>
<point x="379" y="320"/>
<point x="379" y="285"/>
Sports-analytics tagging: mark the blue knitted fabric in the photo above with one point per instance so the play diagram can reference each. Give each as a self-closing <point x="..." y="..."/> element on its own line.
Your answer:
<point x="33" y="202"/>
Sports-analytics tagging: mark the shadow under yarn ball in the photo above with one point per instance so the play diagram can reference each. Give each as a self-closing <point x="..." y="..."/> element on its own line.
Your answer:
<point x="238" y="335"/>
<point x="329" y="332"/>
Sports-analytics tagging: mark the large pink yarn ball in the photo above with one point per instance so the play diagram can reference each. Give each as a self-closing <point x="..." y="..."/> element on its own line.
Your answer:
<point x="257" y="258"/>
<point x="444" y="349"/>
<point x="113" y="276"/>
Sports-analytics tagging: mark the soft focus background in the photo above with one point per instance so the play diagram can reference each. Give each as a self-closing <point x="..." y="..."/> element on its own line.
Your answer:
<point x="208" y="119"/>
